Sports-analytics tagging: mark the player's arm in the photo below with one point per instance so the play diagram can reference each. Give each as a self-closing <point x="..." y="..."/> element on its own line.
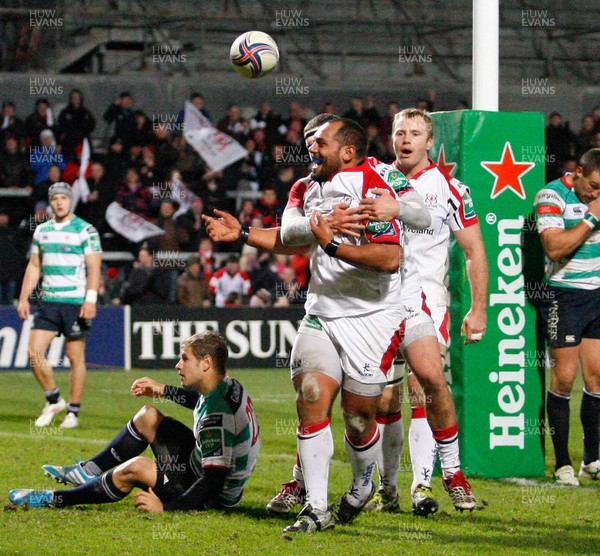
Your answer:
<point x="30" y="282"/>
<point x="227" y="228"/>
<point x="408" y="207"/>
<point x="383" y="257"/>
<point x="150" y="388"/>
<point x="557" y="241"/>
<point x="93" y="263"/>
<point x="471" y="242"/>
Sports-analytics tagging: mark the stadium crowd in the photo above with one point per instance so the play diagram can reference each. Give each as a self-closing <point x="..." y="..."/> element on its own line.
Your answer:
<point x="148" y="168"/>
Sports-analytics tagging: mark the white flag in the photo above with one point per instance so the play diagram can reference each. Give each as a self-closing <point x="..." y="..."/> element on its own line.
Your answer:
<point x="129" y="224"/>
<point x="217" y="149"/>
<point x="81" y="189"/>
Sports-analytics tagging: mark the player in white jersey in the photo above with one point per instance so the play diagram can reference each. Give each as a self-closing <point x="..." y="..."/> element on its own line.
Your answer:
<point x="66" y="251"/>
<point x="451" y="209"/>
<point x="424" y="353"/>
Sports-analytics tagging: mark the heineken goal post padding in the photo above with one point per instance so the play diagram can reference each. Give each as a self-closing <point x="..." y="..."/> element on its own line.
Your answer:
<point x="497" y="383"/>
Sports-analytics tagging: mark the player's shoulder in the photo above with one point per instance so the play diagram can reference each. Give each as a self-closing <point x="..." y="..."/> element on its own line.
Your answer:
<point x="46" y="226"/>
<point x="244" y="275"/>
<point x="555" y="192"/>
<point x="81" y="225"/>
<point x="219" y="273"/>
<point x="230" y="396"/>
<point x="389" y="174"/>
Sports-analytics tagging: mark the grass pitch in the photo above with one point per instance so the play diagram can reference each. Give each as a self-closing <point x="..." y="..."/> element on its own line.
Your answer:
<point x="519" y="517"/>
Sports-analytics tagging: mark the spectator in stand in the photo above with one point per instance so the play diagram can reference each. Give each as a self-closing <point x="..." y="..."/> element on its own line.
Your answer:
<point x="296" y="120"/>
<point x="229" y="280"/>
<point x="106" y="189"/>
<point x="596" y="118"/>
<point x="585" y="137"/>
<point x="40" y="190"/>
<point x="41" y="119"/>
<point x="45" y="155"/>
<point x="262" y="277"/>
<point x="375" y="145"/>
<point x="141" y="132"/>
<point x="234" y="299"/>
<point x="427" y="103"/>
<point x="559" y="145"/>
<point x="199" y="102"/>
<point x="175" y="235"/>
<point x="206" y="254"/>
<point x="285" y="178"/>
<point x="10" y="124"/>
<point x="247" y="212"/>
<point x="166" y="153"/>
<point x="250" y="167"/>
<point x="269" y="208"/>
<point x="147" y="167"/>
<point x="101" y="195"/>
<point x="596" y="140"/>
<point x="328" y="108"/>
<point x="213" y="193"/>
<point x="115" y="161"/>
<point x="363" y="113"/>
<point x="146" y="283"/>
<point x="233" y="124"/>
<point x="71" y="171"/>
<point x="192" y="286"/>
<point x="13" y="249"/>
<point x="261" y="298"/>
<point x="121" y="113"/>
<point x="301" y="266"/>
<point x="114" y="285"/>
<point x="385" y="129"/>
<point x="288" y="290"/>
<point x="14" y="170"/>
<point x="271" y="123"/>
<point x="192" y="223"/>
<point x="133" y="196"/>
<point x="75" y="123"/>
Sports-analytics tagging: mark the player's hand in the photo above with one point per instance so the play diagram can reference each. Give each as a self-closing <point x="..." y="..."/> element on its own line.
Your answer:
<point x="473" y="326"/>
<point x="149" y="387"/>
<point x="346" y="221"/>
<point x="224" y="228"/>
<point x="383" y="208"/>
<point x="594" y="207"/>
<point x="87" y="311"/>
<point x="23" y="309"/>
<point x="148" y="501"/>
<point x="320" y="229"/>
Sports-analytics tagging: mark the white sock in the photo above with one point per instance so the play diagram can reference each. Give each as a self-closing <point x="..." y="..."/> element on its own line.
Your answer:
<point x="315" y="448"/>
<point x="423" y="449"/>
<point x="447" y="443"/>
<point x="362" y="459"/>
<point x="391" y="429"/>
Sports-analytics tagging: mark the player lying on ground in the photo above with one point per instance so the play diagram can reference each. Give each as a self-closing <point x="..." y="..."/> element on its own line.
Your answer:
<point x="192" y="470"/>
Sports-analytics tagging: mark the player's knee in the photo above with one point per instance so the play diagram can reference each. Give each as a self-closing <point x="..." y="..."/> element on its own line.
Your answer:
<point x="356" y="424"/>
<point x="133" y="469"/>
<point x="310" y="389"/>
<point x="147" y="418"/>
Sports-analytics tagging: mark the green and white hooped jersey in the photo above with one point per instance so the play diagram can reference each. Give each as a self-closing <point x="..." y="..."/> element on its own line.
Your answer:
<point x="557" y="206"/>
<point x="227" y="436"/>
<point x="63" y="248"/>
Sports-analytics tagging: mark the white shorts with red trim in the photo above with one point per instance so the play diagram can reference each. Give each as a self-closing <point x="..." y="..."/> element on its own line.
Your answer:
<point x="357" y="352"/>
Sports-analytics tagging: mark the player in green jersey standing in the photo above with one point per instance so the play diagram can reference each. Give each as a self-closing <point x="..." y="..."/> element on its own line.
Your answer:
<point x="66" y="251"/>
<point x="568" y="220"/>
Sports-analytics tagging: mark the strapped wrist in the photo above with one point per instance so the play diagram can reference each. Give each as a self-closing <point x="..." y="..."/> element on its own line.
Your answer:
<point x="244" y="233"/>
<point x="331" y="248"/>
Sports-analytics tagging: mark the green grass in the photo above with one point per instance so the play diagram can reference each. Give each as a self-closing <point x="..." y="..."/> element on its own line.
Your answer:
<point x="534" y="519"/>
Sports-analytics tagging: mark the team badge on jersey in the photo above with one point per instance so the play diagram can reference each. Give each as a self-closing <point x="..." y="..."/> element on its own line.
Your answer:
<point x="379" y="229"/>
<point x="397" y="180"/>
<point x="468" y="206"/>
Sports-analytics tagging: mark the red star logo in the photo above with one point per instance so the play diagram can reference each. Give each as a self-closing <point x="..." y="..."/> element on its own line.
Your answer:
<point x="508" y="173"/>
<point x="447" y="167"/>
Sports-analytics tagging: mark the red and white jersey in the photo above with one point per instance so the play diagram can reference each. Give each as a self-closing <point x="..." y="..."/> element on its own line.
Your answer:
<point x="222" y="284"/>
<point x="336" y="288"/>
<point x="451" y="208"/>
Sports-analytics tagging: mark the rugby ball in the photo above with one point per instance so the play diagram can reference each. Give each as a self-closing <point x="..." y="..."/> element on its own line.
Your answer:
<point x="254" y="54"/>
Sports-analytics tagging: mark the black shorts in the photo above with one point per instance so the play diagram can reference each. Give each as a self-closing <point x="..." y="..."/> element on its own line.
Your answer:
<point x="172" y="447"/>
<point x="569" y="315"/>
<point x="62" y="318"/>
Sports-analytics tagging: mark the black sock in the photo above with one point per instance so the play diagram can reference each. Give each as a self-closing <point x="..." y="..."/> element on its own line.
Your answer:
<point x="590" y="419"/>
<point x="100" y="491"/>
<point x="52" y="396"/>
<point x="558" y="419"/>
<point x="74" y="408"/>
<point x="127" y="444"/>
